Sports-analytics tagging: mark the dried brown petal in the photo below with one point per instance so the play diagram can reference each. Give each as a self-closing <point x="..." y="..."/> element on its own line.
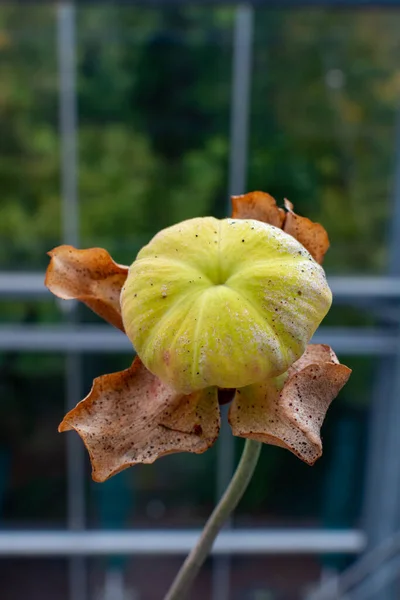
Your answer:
<point x="288" y="411"/>
<point x="311" y="235"/>
<point x="90" y="276"/>
<point x="131" y="417"/>
<point x="259" y="206"/>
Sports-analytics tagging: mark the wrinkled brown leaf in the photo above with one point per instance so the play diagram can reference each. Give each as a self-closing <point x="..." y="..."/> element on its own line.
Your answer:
<point x="259" y="206"/>
<point x="312" y="235"/>
<point x="90" y="276"/>
<point x="131" y="417"/>
<point x="289" y="410"/>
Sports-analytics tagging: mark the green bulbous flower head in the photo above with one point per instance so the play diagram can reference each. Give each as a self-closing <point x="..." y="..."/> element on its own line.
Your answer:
<point x="223" y="303"/>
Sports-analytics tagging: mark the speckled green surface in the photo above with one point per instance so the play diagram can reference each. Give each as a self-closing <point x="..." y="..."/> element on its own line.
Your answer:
<point x="222" y="302"/>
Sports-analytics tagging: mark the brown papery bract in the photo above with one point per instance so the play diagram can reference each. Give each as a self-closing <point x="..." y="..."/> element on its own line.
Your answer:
<point x="312" y="235"/>
<point x="289" y="412"/>
<point x="90" y="276"/>
<point x="131" y="417"/>
<point x="258" y="205"/>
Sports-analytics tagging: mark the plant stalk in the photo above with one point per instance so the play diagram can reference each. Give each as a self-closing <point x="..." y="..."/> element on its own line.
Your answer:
<point x="220" y="514"/>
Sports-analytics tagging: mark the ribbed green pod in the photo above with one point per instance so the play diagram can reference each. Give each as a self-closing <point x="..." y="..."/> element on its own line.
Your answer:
<point x="222" y="302"/>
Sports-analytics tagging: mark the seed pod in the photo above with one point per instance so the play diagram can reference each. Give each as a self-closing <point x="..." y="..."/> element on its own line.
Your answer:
<point x="222" y="303"/>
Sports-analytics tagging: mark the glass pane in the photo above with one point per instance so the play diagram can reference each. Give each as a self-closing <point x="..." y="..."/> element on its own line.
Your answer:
<point x="29" y="143"/>
<point x="32" y="459"/>
<point x="154" y="118"/>
<point x="324" y="110"/>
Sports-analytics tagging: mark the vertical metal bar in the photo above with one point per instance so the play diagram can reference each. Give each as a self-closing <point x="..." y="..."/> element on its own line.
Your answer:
<point x="240" y="99"/>
<point x="225" y="465"/>
<point x="239" y="134"/>
<point x="394" y="254"/>
<point x="68" y="121"/>
<point x="76" y="501"/>
<point x="386" y="580"/>
<point x="383" y="467"/>
<point x="391" y="496"/>
<point x="76" y="505"/>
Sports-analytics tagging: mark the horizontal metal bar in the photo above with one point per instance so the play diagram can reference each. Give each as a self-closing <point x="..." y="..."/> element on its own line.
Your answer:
<point x="97" y="339"/>
<point x="24" y="285"/>
<point x="357" y="341"/>
<point x="101" y="339"/>
<point x="346" y="287"/>
<point x="173" y="542"/>
<point x="298" y="4"/>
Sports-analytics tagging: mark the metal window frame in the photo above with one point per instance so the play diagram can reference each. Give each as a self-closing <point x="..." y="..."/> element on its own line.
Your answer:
<point x="74" y="339"/>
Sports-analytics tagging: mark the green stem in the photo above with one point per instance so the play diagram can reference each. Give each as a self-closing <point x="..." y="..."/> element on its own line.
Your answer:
<point x="226" y="505"/>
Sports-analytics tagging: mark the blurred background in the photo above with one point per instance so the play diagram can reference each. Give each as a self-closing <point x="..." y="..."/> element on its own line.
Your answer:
<point x="119" y="119"/>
